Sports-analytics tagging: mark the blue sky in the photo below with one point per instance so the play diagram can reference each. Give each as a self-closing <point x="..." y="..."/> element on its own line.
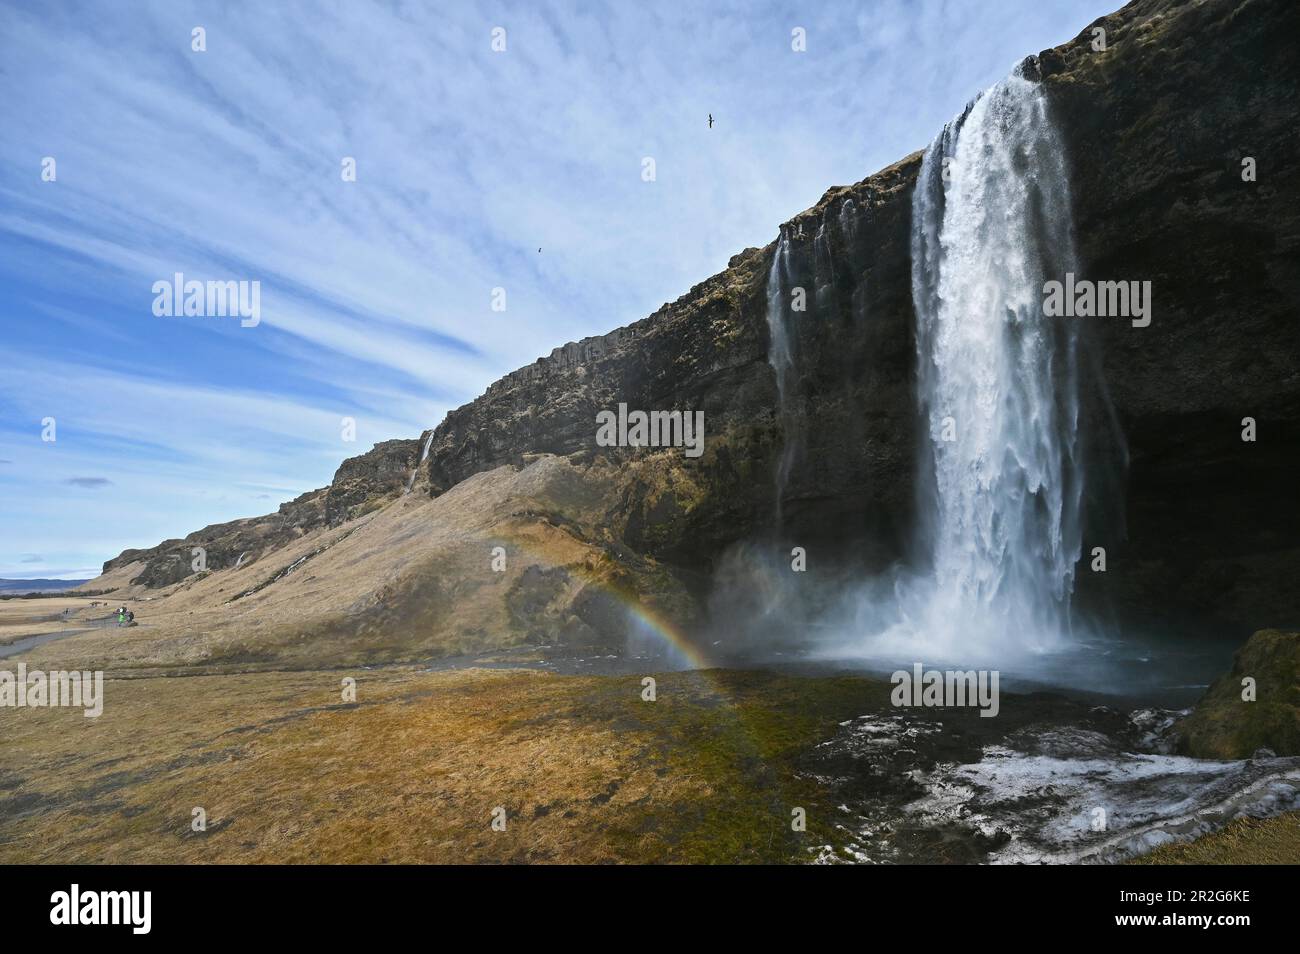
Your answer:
<point x="376" y="294"/>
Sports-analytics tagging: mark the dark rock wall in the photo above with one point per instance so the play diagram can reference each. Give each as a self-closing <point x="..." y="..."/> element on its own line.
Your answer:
<point x="852" y="405"/>
<point x="1156" y="129"/>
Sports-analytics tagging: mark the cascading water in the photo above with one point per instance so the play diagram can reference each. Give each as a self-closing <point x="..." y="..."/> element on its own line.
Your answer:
<point x="1001" y="480"/>
<point x="416" y="469"/>
<point x="848" y="222"/>
<point x="823" y="270"/>
<point x="780" y="355"/>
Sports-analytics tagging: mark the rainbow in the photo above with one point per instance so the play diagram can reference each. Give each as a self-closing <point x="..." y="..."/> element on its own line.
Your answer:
<point x="645" y="618"/>
<point x="663" y="629"/>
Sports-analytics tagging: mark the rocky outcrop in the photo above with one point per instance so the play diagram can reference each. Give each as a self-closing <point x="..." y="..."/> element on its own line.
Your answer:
<point x="365" y="482"/>
<point x="361" y="484"/>
<point x="1255" y="706"/>
<point x="225" y="545"/>
<point x="705" y="352"/>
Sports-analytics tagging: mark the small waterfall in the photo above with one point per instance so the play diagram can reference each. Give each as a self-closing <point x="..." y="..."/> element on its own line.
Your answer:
<point x="848" y="222"/>
<point x="822" y="254"/>
<point x="780" y="355"/>
<point x="1001" y="479"/>
<point x="823" y="271"/>
<point x="416" y="469"/>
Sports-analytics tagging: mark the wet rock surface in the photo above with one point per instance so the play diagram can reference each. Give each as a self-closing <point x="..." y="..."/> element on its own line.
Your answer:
<point x="1157" y="128"/>
<point x="1047" y="781"/>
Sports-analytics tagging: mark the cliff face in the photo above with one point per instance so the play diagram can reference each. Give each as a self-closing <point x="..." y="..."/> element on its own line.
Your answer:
<point x="1156" y="129"/>
<point x="363" y="483"/>
<point x="851" y="403"/>
<point x="705" y="352"/>
<point x="1198" y="525"/>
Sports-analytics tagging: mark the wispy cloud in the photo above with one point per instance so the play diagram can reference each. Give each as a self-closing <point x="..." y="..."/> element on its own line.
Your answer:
<point x="376" y="294"/>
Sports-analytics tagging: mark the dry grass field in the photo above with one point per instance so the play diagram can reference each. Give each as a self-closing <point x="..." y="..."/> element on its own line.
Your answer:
<point x="411" y="772"/>
<point x="287" y="770"/>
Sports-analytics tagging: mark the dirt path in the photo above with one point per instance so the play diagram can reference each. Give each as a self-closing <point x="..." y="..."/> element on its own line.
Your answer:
<point x="24" y="643"/>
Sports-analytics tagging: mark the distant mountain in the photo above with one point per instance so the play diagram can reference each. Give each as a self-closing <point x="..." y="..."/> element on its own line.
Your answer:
<point x="17" y="587"/>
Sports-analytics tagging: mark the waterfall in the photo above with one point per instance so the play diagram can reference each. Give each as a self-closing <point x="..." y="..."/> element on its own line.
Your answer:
<point x="822" y="253"/>
<point x="780" y="355"/>
<point x="1000" y="477"/>
<point x="848" y="222"/>
<point x="823" y="270"/>
<point x="416" y="469"/>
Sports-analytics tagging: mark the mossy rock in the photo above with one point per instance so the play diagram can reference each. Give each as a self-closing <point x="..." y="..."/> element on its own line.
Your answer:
<point x="1225" y="726"/>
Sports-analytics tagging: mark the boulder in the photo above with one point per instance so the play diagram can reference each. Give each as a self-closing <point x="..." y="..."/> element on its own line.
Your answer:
<point x="1224" y="725"/>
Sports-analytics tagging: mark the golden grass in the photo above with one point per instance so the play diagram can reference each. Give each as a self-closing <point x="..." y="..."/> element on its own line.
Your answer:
<point x="586" y="770"/>
<point x="1246" y="841"/>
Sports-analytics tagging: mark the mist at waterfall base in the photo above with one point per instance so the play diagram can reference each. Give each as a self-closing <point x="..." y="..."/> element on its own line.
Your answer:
<point x="1002" y="476"/>
<point x="839" y="617"/>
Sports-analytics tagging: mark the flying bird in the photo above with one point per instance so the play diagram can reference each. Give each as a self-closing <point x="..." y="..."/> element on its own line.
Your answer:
<point x="710" y="120"/>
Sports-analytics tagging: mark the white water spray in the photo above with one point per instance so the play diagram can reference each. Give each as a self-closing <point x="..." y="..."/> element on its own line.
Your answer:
<point x="1001" y="479"/>
<point x="848" y="222"/>
<point x="780" y="356"/>
<point x="416" y="469"/>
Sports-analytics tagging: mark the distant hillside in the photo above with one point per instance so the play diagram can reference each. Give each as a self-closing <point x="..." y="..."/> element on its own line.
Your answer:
<point x="18" y="587"/>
